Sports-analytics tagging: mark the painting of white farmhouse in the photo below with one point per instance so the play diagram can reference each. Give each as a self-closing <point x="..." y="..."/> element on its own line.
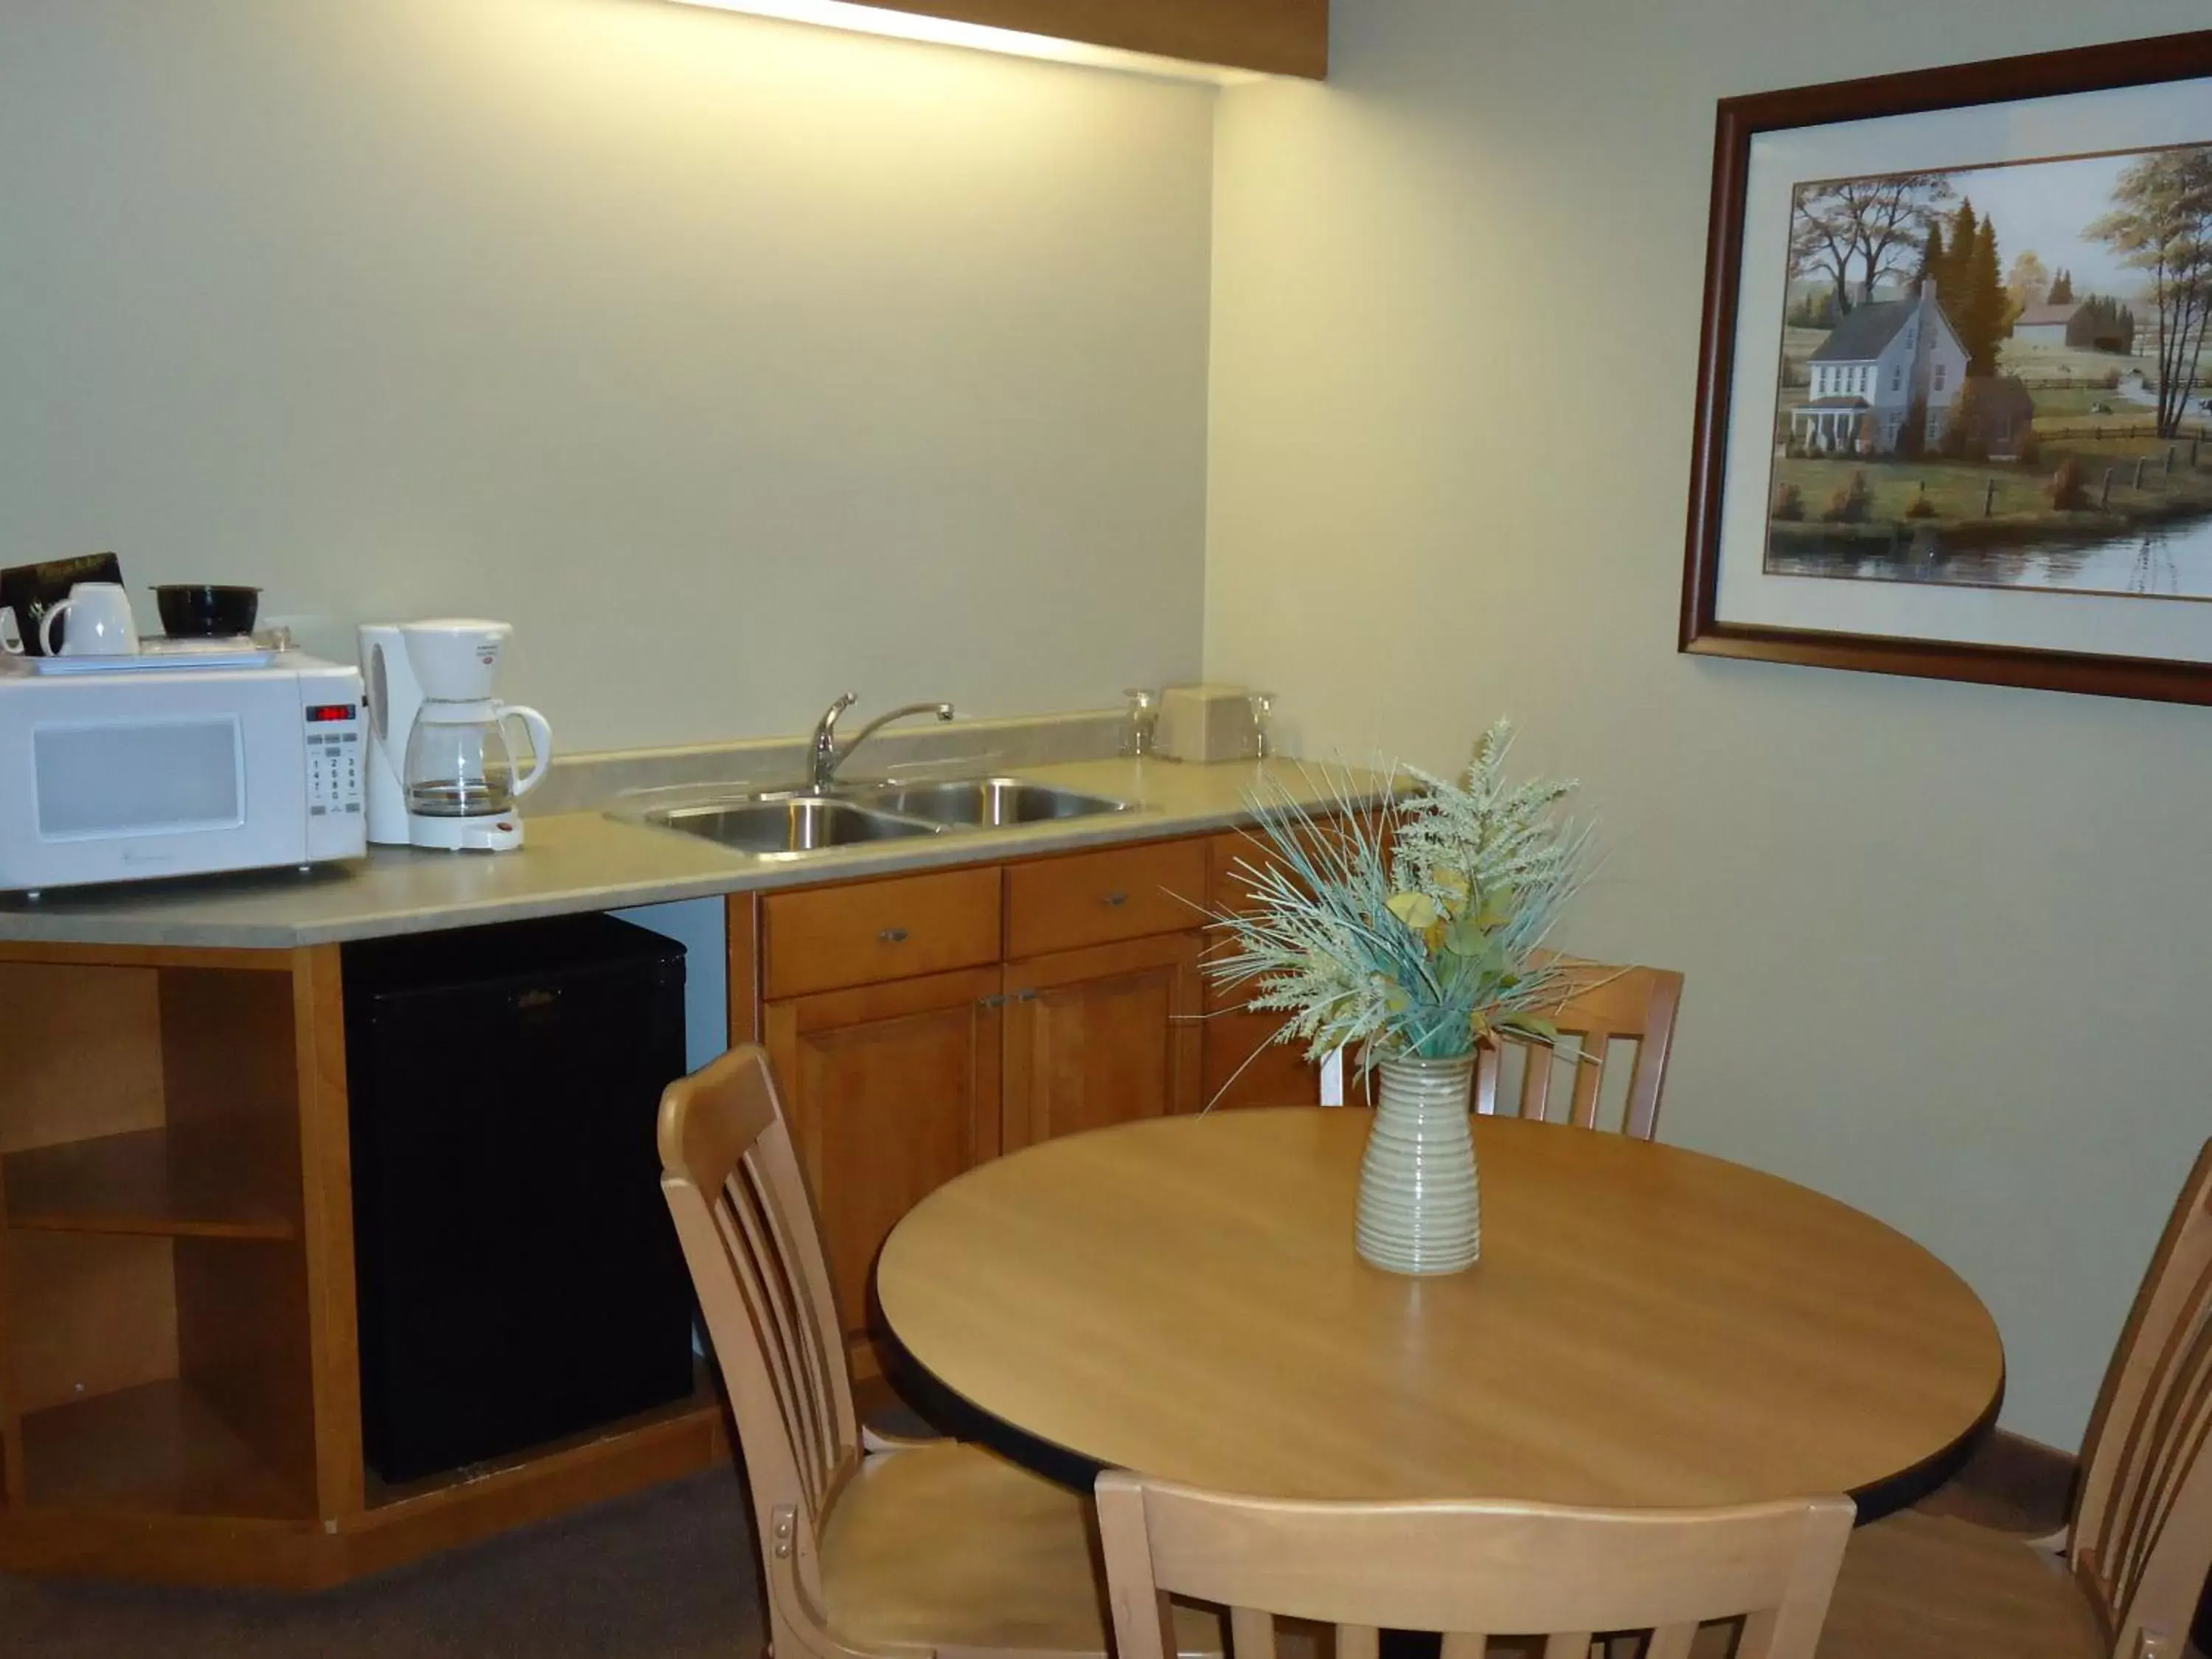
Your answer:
<point x="2000" y="376"/>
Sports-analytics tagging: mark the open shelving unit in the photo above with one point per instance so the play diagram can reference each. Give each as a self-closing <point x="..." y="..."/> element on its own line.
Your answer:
<point x="180" y="1379"/>
<point x="154" y="1314"/>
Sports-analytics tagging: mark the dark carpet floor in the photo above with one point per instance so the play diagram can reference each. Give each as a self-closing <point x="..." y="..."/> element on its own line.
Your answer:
<point x="669" y="1574"/>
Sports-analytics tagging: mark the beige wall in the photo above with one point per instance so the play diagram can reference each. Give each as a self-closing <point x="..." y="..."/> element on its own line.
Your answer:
<point x="735" y="362"/>
<point x="1945" y="946"/>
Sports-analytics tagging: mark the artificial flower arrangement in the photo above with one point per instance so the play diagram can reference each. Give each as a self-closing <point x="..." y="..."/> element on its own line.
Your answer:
<point x="1412" y="931"/>
<point x="1411" y="927"/>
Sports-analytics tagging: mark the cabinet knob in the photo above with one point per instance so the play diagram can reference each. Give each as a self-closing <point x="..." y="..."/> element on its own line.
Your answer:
<point x="893" y="936"/>
<point x="1118" y="900"/>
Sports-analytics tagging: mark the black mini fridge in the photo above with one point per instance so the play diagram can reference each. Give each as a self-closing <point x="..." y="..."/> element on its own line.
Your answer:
<point x="519" y="1277"/>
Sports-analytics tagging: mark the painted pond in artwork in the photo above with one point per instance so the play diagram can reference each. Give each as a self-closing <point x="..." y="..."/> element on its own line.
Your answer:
<point x="2171" y="560"/>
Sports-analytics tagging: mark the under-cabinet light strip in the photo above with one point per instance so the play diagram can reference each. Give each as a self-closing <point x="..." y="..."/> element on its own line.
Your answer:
<point x="947" y="31"/>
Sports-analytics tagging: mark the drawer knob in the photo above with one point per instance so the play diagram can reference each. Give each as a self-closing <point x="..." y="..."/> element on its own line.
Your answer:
<point x="1118" y="900"/>
<point x="893" y="936"/>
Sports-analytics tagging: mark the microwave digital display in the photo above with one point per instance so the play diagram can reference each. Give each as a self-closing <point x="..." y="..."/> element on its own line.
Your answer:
<point x="323" y="714"/>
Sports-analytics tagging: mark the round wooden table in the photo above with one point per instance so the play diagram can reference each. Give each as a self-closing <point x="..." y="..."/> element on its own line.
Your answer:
<point x="1647" y="1326"/>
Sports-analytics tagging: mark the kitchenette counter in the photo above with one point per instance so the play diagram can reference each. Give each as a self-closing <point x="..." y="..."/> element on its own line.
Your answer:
<point x="587" y="860"/>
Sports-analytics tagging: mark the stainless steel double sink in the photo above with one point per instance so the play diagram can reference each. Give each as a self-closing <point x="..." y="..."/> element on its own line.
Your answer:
<point x="785" y="823"/>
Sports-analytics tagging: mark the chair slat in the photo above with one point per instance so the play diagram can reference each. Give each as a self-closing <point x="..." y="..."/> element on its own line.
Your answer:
<point x="1536" y="1083"/>
<point x="1464" y="1645"/>
<point x="1359" y="1642"/>
<point x="1671" y="1642"/>
<point x="744" y="1269"/>
<point x="2175" y="1437"/>
<point x="2142" y="1521"/>
<point x="1589" y="1078"/>
<point x="770" y="1292"/>
<point x="1252" y="1633"/>
<point x="1568" y="1644"/>
<point x="806" y="1338"/>
<point x="1599" y="1004"/>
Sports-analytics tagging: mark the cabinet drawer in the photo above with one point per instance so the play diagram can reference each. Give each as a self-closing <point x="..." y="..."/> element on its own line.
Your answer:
<point x="1095" y="898"/>
<point x="869" y="931"/>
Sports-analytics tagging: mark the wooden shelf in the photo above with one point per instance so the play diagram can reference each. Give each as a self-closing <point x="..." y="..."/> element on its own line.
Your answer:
<point x="702" y="1404"/>
<point x="157" y="1449"/>
<point x="205" y="1180"/>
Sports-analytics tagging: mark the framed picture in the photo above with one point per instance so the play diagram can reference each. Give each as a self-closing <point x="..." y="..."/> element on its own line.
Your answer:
<point x="1954" y="395"/>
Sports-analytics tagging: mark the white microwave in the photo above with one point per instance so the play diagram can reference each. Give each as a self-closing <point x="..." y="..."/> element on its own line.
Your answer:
<point x="127" y="774"/>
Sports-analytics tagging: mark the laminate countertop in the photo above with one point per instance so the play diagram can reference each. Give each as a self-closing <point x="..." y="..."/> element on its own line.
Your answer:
<point x="587" y="860"/>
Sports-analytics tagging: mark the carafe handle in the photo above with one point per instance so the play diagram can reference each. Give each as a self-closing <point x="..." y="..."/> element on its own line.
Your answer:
<point x="541" y="744"/>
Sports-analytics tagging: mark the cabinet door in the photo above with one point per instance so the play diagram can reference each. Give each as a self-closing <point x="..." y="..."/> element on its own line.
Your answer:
<point x="893" y="1090"/>
<point x="1103" y="1035"/>
<point x="1243" y="1065"/>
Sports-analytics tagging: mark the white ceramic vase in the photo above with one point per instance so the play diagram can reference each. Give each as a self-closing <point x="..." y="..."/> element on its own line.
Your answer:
<point x="1419" y="1209"/>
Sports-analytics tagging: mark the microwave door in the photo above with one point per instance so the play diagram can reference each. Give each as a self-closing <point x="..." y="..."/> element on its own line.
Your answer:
<point x="155" y="774"/>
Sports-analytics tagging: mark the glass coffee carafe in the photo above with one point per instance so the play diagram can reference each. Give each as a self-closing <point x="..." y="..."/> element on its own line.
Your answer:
<point x="460" y="764"/>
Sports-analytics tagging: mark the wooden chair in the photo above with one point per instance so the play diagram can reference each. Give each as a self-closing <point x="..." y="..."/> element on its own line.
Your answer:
<point x="890" y="1548"/>
<point x="2129" y="1569"/>
<point x="1605" y="1004"/>
<point x="1471" y="1570"/>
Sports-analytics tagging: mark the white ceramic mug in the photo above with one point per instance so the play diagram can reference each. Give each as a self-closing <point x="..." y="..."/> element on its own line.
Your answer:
<point x="11" y="642"/>
<point x="100" y="623"/>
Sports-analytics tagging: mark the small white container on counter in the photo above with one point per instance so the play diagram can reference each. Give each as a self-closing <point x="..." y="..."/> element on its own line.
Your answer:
<point x="1207" y="721"/>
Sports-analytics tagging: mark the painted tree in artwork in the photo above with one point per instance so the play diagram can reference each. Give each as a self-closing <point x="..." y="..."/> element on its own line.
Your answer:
<point x="1965" y="269"/>
<point x="1932" y="257"/>
<point x="2028" y="283"/>
<point x="1854" y="232"/>
<point x="1950" y="271"/>
<point x="2161" y="225"/>
<point x="2062" y="288"/>
<point x="1987" y="314"/>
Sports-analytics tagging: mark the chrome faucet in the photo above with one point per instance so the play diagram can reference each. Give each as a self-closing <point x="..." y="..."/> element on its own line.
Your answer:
<point x="828" y="757"/>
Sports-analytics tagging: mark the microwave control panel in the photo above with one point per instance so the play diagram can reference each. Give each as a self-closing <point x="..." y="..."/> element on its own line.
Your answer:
<point x="335" y="729"/>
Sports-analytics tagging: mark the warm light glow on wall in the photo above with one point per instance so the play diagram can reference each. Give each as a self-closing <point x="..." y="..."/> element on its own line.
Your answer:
<point x="941" y="31"/>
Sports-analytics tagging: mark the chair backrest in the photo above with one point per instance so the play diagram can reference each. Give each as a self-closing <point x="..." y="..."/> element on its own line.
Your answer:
<point x="2141" y="1539"/>
<point x="750" y="1239"/>
<point x="1602" y="1005"/>
<point x="1469" y="1571"/>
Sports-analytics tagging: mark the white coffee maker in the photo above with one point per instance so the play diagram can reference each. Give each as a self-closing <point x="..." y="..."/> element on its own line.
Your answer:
<point x="441" y="771"/>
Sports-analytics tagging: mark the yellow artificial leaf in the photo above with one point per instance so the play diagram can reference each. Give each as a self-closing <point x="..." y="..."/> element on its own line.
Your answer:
<point x="1417" y="910"/>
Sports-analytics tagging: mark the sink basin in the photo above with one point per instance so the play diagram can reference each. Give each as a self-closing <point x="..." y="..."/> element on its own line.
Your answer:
<point x="790" y="824"/>
<point x="803" y="824"/>
<point x="986" y="803"/>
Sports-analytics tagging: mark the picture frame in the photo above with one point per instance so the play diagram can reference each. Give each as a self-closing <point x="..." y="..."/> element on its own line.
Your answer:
<point x="2021" y="493"/>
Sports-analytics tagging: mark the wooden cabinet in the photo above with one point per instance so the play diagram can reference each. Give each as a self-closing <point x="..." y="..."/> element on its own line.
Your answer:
<point x="1243" y="1065"/>
<point x="1108" y="1035"/>
<point x="179" y="1385"/>
<point x="868" y="932"/>
<point x="1275" y="37"/>
<point x="1074" y="1002"/>
<point x="1095" y="898"/>
<point x="176" y="1294"/>
<point x="892" y="1090"/>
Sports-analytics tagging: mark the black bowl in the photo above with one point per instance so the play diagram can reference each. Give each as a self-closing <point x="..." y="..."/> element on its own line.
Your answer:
<point x="204" y="611"/>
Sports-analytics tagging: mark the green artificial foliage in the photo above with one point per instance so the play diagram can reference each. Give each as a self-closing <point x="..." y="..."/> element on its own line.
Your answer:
<point x="1413" y="927"/>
